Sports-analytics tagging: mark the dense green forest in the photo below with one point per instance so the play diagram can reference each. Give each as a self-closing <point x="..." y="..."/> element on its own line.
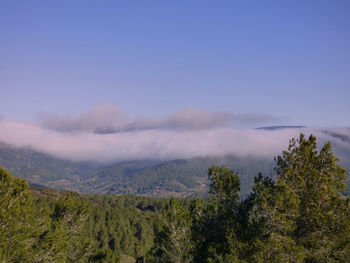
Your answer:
<point x="299" y="214"/>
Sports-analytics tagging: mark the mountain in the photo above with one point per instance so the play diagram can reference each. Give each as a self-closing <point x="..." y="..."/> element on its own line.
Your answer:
<point x="183" y="177"/>
<point x="160" y="178"/>
<point x="171" y="178"/>
<point x="280" y="127"/>
<point x="43" y="170"/>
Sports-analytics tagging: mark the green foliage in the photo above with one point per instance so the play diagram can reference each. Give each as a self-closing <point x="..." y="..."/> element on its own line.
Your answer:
<point x="41" y="225"/>
<point x="36" y="230"/>
<point x="17" y="222"/>
<point x="271" y="221"/>
<point x="120" y="227"/>
<point x="175" y="238"/>
<point x="221" y="214"/>
<point x="303" y="215"/>
<point x="317" y="179"/>
<point x="64" y="219"/>
<point x="299" y="215"/>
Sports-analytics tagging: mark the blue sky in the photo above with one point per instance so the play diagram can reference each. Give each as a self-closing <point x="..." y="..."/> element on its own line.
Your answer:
<point x="289" y="59"/>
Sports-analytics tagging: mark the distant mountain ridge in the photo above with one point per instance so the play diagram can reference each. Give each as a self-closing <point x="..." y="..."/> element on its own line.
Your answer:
<point x="281" y="127"/>
<point x="180" y="177"/>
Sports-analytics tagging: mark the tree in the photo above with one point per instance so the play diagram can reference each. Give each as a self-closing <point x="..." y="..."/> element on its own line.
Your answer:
<point x="175" y="240"/>
<point x="42" y="230"/>
<point x="18" y="227"/>
<point x="61" y="240"/>
<point x="272" y="213"/>
<point x="303" y="216"/>
<point x="317" y="178"/>
<point x="215" y="222"/>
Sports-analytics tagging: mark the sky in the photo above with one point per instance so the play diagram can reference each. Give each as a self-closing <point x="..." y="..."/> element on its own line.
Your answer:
<point x="156" y="69"/>
<point x="289" y="59"/>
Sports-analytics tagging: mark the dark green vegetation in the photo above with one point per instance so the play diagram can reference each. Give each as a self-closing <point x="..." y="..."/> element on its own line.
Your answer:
<point x="302" y="216"/>
<point x="299" y="215"/>
<point x="42" y="225"/>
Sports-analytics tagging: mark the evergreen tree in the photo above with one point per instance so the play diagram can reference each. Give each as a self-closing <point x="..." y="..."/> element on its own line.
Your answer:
<point x="19" y="229"/>
<point x="303" y="215"/>
<point x="300" y="216"/>
<point x="62" y="240"/>
<point x="42" y="230"/>
<point x="316" y="177"/>
<point x="272" y="215"/>
<point x="215" y="224"/>
<point x="175" y="240"/>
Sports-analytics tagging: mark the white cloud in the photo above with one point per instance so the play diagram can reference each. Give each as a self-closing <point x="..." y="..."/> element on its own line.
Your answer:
<point x="110" y="119"/>
<point x="105" y="135"/>
<point x="101" y="119"/>
<point x="196" y="119"/>
<point x="84" y="146"/>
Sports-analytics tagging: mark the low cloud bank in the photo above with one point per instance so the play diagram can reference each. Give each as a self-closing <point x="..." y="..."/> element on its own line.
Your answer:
<point x="196" y="119"/>
<point x="104" y="119"/>
<point x="106" y="134"/>
<point x="159" y="143"/>
<point x="101" y="119"/>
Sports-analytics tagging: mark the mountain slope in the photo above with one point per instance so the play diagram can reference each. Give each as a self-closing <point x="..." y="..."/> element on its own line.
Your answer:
<point x="147" y="177"/>
<point x="185" y="177"/>
<point x="43" y="169"/>
<point x="176" y="177"/>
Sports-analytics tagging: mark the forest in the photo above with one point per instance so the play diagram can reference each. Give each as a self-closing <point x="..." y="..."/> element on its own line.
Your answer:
<point x="300" y="214"/>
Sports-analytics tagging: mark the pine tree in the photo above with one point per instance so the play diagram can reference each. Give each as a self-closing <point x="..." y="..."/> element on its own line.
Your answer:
<point x="19" y="229"/>
<point x="215" y="222"/>
<point x="42" y="230"/>
<point x="175" y="241"/>
<point x="316" y="177"/>
<point x="273" y="210"/>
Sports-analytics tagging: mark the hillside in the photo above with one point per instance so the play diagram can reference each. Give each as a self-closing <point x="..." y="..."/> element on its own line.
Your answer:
<point x="42" y="169"/>
<point x="170" y="178"/>
<point x="45" y="225"/>
<point x="148" y="177"/>
<point x="159" y="178"/>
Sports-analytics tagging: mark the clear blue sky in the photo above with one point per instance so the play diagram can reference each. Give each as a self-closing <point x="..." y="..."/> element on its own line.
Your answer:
<point x="285" y="58"/>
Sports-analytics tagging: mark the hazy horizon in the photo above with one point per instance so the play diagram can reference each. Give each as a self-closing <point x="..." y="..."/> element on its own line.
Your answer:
<point x="104" y="134"/>
<point x="120" y="80"/>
